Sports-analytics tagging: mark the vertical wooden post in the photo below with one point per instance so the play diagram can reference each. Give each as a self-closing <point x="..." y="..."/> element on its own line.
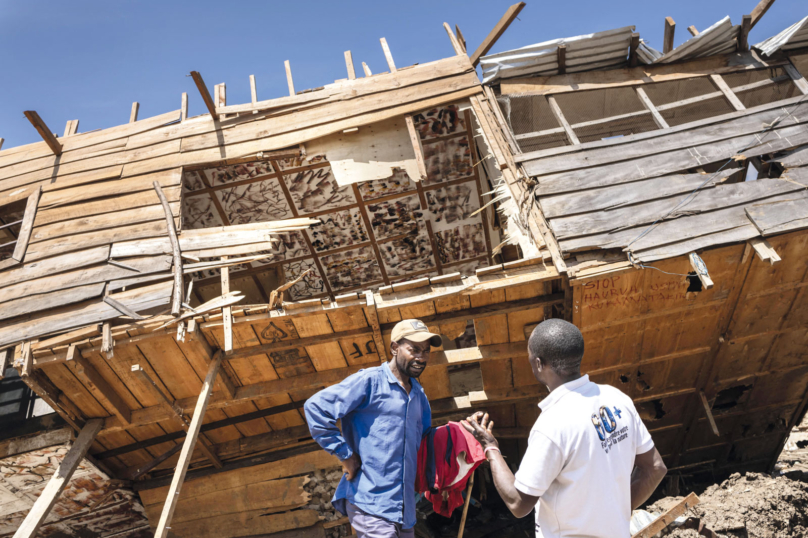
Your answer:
<point x="365" y="68"/>
<point x="561" y="56"/>
<point x="184" y="107"/>
<point x="59" y="480"/>
<point x="743" y="36"/>
<point x="227" y="312"/>
<point x="187" y="449"/>
<point x="670" y="30"/>
<point x="1" y="142"/>
<point x="349" y="65"/>
<point x="634" y="44"/>
<point x="253" y="90"/>
<point x="289" y="80"/>
<point x="176" y="302"/>
<point x="133" y="114"/>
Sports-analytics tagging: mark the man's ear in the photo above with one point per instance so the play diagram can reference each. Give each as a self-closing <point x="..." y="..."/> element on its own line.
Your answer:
<point x="393" y="348"/>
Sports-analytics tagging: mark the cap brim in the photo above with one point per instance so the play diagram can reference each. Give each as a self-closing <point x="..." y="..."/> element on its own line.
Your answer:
<point x="434" y="339"/>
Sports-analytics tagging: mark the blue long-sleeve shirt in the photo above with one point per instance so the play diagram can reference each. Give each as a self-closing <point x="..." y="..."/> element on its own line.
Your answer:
<point x="384" y="425"/>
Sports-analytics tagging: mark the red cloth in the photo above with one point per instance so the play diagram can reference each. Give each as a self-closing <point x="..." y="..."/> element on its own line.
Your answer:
<point x="449" y="491"/>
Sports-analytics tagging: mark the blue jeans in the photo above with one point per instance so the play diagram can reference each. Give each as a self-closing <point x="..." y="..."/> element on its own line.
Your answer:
<point x="368" y="526"/>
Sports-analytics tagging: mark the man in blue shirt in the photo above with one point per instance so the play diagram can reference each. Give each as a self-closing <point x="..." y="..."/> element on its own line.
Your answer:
<point x="384" y="414"/>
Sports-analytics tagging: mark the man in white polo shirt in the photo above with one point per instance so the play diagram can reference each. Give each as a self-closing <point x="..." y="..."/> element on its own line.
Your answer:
<point x="590" y="460"/>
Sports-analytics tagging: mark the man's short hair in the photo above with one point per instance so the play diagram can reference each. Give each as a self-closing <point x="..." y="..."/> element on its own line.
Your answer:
<point x="559" y="344"/>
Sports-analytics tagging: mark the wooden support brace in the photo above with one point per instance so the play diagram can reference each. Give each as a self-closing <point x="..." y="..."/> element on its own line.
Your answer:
<point x="184" y="107"/>
<point x="680" y="508"/>
<point x="176" y="302"/>
<point x="253" y="90"/>
<point x="122" y="308"/>
<point x="366" y="69"/>
<point x="562" y="120"/>
<point x="632" y="49"/>
<point x="760" y="10"/>
<point x="349" y="65"/>
<point x="59" y="480"/>
<point x="43" y="130"/>
<point x="387" y="55"/>
<point x="52" y="396"/>
<point x="417" y="148"/>
<point x="69" y="127"/>
<point x="24" y="236"/>
<point x="175" y="413"/>
<point x="764" y="250"/>
<point x="26" y="359"/>
<point x="458" y="48"/>
<point x="670" y="30"/>
<point x="107" y="342"/>
<point x="227" y="312"/>
<point x="692" y="30"/>
<point x="289" y="80"/>
<point x="104" y="390"/>
<point x="133" y="113"/>
<point x="796" y="76"/>
<point x="646" y="101"/>
<point x="136" y="472"/>
<point x="561" y="58"/>
<point x="224" y="381"/>
<point x="743" y="35"/>
<point x="460" y="38"/>
<point x="221" y="95"/>
<point x="701" y="270"/>
<point x="6" y="357"/>
<point x="718" y="80"/>
<point x="709" y="411"/>
<point x="496" y="33"/>
<point x="203" y="91"/>
<point x="186" y="454"/>
<point x="373" y="320"/>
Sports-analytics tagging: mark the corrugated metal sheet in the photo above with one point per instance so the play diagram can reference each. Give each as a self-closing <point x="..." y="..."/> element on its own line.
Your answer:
<point x="720" y="38"/>
<point x="647" y="54"/>
<point x="793" y="37"/>
<point x="584" y="53"/>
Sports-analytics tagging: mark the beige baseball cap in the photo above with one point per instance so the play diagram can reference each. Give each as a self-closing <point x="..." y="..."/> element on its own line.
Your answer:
<point x="415" y="330"/>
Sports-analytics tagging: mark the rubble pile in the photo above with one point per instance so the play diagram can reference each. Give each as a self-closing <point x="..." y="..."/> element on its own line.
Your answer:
<point x="321" y="487"/>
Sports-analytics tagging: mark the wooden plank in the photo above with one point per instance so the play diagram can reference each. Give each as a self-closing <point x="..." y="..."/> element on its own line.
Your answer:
<point x="760" y="10"/>
<point x="289" y="80"/>
<point x="24" y="236"/>
<point x="718" y="80"/>
<point x="701" y="270"/>
<point x="6" y="358"/>
<point x="415" y="140"/>
<point x="692" y="30"/>
<point x="780" y="216"/>
<point x="709" y="413"/>
<point x="59" y="480"/>
<point x="634" y="44"/>
<point x="743" y="35"/>
<point x="122" y="308"/>
<point x="176" y="302"/>
<point x="54" y="265"/>
<point x="122" y="203"/>
<point x="658" y="119"/>
<point x="22" y="305"/>
<point x="133" y="113"/>
<point x="43" y="130"/>
<point x="460" y="38"/>
<point x="494" y="35"/>
<point x="559" y="116"/>
<point x="561" y="59"/>
<point x="797" y="77"/>
<point x="667" y="40"/>
<point x="45" y="389"/>
<point x="100" y="388"/>
<point x="252" y="523"/>
<point x="203" y="91"/>
<point x="168" y="178"/>
<point x="349" y="65"/>
<point x="764" y="250"/>
<point x="227" y="313"/>
<point x="366" y="69"/>
<point x="140" y="470"/>
<point x="164" y="523"/>
<point x="459" y="49"/>
<point x="184" y="107"/>
<point x="678" y="509"/>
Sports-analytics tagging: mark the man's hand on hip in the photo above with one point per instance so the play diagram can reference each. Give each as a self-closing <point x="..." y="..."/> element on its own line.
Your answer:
<point x="479" y="426"/>
<point x="351" y="466"/>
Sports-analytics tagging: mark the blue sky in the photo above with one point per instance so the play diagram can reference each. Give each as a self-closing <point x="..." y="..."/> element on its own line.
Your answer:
<point x="90" y="59"/>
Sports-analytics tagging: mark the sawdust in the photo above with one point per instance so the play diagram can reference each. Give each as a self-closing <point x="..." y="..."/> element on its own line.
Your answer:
<point x="750" y="505"/>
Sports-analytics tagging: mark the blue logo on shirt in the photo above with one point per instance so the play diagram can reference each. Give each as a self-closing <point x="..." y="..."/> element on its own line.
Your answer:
<point x="606" y="426"/>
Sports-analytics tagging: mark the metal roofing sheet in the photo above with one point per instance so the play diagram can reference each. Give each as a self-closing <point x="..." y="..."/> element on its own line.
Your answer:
<point x="793" y="37"/>
<point x="720" y="38"/>
<point x="584" y="53"/>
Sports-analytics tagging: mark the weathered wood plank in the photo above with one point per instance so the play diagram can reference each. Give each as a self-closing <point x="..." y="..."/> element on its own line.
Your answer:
<point x="176" y="302"/>
<point x="24" y="235"/>
<point x="110" y="205"/>
<point x="54" y="265"/>
<point x="22" y="305"/>
<point x="777" y="217"/>
<point x="58" y="481"/>
<point x="44" y="131"/>
<point x="167" y="178"/>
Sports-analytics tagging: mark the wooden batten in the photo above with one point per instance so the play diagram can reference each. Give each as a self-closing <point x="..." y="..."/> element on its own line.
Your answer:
<point x="43" y="130"/>
<point x="206" y="98"/>
<point x="133" y="113"/>
<point x="667" y="40"/>
<point x="494" y="35"/>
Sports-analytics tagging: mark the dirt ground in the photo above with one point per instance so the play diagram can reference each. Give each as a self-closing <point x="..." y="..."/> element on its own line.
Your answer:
<point x="756" y="505"/>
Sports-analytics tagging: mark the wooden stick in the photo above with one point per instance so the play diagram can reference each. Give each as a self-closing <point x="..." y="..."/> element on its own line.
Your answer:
<point x="692" y="30"/>
<point x="289" y="80"/>
<point x="27" y="225"/>
<point x="253" y="90"/>
<point x="203" y="91"/>
<point x="122" y="308"/>
<point x="176" y="303"/>
<point x="74" y="127"/>
<point x="184" y="107"/>
<point x="349" y="65"/>
<point x="466" y="506"/>
<point x="387" y="55"/>
<point x="764" y="250"/>
<point x="709" y="412"/>
<point x="415" y="139"/>
<point x="186" y="454"/>
<point x="562" y="120"/>
<point x="670" y="30"/>
<point x="701" y="270"/>
<point x="632" y="49"/>
<point x="760" y="10"/>
<point x="792" y="72"/>
<point x="458" y="48"/>
<point x="646" y="101"/>
<point x="365" y="68"/>
<point x="227" y="312"/>
<point x="67" y="128"/>
<point x="146" y="467"/>
<point x="1" y="142"/>
<point x="496" y="33"/>
<point x="668" y="517"/>
<point x="44" y="131"/>
<point x="133" y="114"/>
<point x="727" y="91"/>
<point x="460" y="38"/>
<point x="743" y="36"/>
<point x="561" y="56"/>
<point x="5" y="360"/>
<point x="59" y="480"/>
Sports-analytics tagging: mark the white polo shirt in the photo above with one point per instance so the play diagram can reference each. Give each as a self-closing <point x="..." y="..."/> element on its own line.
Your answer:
<point x="579" y="460"/>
